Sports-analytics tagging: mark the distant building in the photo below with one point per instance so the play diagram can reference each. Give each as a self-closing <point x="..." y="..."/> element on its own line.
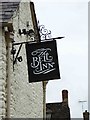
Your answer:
<point x="59" y="110"/>
<point x="86" y="115"/>
<point x="18" y="97"/>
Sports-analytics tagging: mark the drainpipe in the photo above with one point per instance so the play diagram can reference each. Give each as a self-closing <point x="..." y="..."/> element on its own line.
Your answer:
<point x="8" y="73"/>
<point x="44" y="99"/>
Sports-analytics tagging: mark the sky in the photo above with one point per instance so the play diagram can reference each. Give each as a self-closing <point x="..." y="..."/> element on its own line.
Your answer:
<point x="69" y="19"/>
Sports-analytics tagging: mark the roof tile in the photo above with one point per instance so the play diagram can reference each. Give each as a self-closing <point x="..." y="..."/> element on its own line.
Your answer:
<point x="7" y="9"/>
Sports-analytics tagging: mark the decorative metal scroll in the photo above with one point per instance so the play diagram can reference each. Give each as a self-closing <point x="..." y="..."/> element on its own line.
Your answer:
<point x="44" y="33"/>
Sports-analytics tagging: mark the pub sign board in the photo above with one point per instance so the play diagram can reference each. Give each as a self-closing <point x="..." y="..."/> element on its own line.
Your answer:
<point x="42" y="61"/>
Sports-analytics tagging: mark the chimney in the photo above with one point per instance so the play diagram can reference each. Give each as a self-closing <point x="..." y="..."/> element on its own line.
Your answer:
<point x="86" y="115"/>
<point x="65" y="96"/>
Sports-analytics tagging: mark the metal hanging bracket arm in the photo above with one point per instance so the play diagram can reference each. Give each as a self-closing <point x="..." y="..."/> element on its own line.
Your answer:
<point x="35" y="42"/>
<point x="55" y="38"/>
<point x="21" y="43"/>
<point x="19" y="58"/>
<point x="45" y="35"/>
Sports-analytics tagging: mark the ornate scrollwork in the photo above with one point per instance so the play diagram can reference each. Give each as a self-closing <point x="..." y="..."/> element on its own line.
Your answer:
<point x="44" y="33"/>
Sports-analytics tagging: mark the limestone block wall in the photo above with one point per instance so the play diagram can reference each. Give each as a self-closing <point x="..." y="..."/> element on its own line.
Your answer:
<point x="18" y="97"/>
<point x="26" y="99"/>
<point x="2" y="75"/>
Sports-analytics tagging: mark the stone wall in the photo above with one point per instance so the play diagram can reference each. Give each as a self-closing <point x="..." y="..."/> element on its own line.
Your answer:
<point x="26" y="98"/>
<point x="18" y="97"/>
<point x="2" y="75"/>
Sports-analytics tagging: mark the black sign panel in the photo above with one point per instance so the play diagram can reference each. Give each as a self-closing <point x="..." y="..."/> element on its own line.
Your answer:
<point x="42" y="61"/>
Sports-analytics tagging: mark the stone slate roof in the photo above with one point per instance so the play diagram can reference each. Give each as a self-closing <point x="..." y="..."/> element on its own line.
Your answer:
<point x="7" y="9"/>
<point x="58" y="110"/>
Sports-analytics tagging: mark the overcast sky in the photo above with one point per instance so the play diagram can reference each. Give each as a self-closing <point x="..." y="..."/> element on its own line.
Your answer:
<point x="70" y="19"/>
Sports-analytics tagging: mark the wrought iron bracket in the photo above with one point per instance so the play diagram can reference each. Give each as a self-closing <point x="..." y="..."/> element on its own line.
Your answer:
<point x="45" y="35"/>
<point x="16" y="54"/>
<point x="13" y="51"/>
<point x="18" y="58"/>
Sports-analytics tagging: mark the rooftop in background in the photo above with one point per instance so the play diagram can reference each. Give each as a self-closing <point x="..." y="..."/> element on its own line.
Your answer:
<point x="59" y="110"/>
<point x="7" y="9"/>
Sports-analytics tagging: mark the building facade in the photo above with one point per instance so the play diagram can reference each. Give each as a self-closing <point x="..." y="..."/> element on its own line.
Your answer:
<point x="18" y="97"/>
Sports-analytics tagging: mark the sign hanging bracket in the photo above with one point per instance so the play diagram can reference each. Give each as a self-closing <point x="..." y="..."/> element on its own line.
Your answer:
<point x="45" y="35"/>
<point x="13" y="51"/>
<point x="18" y="58"/>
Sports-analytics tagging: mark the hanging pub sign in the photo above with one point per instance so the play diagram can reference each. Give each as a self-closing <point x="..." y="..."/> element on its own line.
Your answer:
<point x="42" y="61"/>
